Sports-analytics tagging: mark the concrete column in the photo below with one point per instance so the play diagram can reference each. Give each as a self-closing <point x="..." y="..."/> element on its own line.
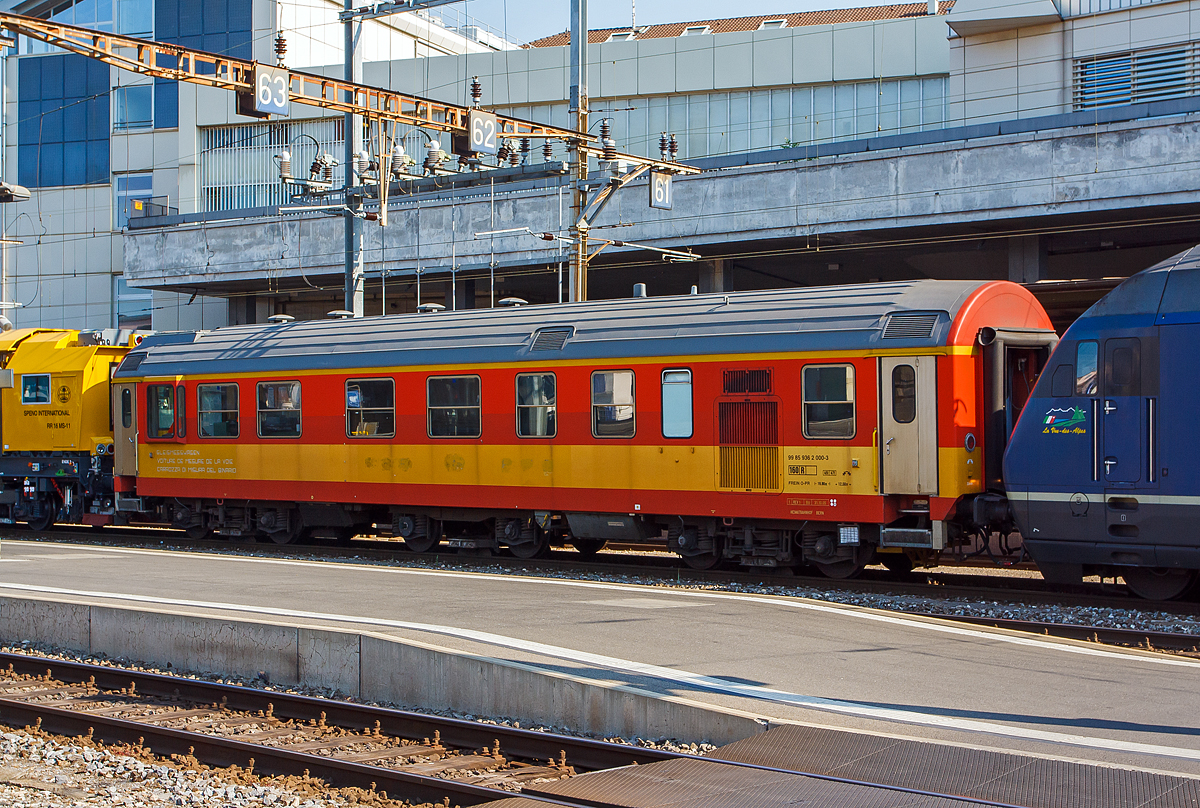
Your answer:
<point x="712" y="276"/>
<point x="1027" y="258"/>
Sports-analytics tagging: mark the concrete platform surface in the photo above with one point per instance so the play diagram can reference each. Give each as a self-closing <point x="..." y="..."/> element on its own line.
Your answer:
<point x="786" y="658"/>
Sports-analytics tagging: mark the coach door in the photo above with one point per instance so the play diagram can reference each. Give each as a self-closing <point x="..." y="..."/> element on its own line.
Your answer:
<point x="124" y="430"/>
<point x="1122" y="411"/>
<point x="908" y="425"/>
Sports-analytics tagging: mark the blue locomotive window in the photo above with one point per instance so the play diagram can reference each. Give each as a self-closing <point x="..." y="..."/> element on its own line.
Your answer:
<point x="828" y="401"/>
<point x="160" y="411"/>
<point x="454" y="406"/>
<point x="677" y="403"/>
<point x="370" y="408"/>
<point x="1063" y="381"/>
<point x="217" y="410"/>
<point x="537" y="405"/>
<point x="35" y="388"/>
<point x="1086" y="363"/>
<point x="613" y="413"/>
<point x="279" y="409"/>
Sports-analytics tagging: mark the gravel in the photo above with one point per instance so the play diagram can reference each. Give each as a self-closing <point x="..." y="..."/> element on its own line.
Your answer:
<point x="38" y="770"/>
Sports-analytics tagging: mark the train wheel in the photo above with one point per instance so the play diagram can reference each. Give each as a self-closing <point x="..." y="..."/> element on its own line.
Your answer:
<point x="48" y="517"/>
<point x="1158" y="583"/>
<point x="588" y="547"/>
<point x="197" y="532"/>
<point x="841" y="570"/>
<point x="423" y="544"/>
<point x="703" y="561"/>
<point x="538" y="548"/>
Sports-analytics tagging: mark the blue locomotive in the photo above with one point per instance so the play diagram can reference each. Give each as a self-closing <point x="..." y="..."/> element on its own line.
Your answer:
<point x="1103" y="468"/>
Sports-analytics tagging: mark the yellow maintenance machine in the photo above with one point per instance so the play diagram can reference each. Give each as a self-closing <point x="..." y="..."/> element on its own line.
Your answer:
<point x="56" y="425"/>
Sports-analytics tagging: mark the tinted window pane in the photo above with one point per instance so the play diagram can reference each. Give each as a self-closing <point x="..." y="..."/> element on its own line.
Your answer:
<point x="454" y="407"/>
<point x="218" y="410"/>
<point x="677" y="404"/>
<point x="371" y="408"/>
<point x="1182" y="293"/>
<point x="160" y="411"/>
<point x="612" y="404"/>
<point x="829" y="401"/>
<point x="536" y="411"/>
<point x="1064" y="381"/>
<point x="904" y="394"/>
<point x="279" y="409"/>
<point x="1086" y="356"/>
<point x="126" y="408"/>
<point x="35" y="389"/>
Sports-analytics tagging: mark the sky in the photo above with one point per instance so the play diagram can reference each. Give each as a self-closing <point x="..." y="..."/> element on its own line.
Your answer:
<point x="531" y="19"/>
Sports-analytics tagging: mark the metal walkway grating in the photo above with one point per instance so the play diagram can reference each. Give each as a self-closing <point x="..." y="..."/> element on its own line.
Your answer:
<point x="981" y="774"/>
<point x="712" y="784"/>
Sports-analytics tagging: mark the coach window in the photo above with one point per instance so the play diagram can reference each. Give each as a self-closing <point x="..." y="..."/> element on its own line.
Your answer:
<point x="1086" y="358"/>
<point x="279" y="409"/>
<point x="160" y="411"/>
<point x="454" y="406"/>
<point x="677" y="403"/>
<point x="35" y="388"/>
<point x="904" y="394"/>
<point x="536" y="405"/>
<point x="180" y="411"/>
<point x="828" y="400"/>
<point x="217" y="412"/>
<point x="370" y="408"/>
<point x="126" y="408"/>
<point x="612" y="404"/>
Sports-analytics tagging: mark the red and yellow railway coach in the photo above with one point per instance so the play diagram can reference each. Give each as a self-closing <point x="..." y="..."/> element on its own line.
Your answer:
<point x="816" y="426"/>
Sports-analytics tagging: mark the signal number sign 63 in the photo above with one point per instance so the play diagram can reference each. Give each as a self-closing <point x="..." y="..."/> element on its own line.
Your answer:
<point x="483" y="128"/>
<point x="271" y="90"/>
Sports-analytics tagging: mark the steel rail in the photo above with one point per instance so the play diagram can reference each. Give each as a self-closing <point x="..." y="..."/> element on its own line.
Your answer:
<point x="583" y="753"/>
<point x="221" y="751"/>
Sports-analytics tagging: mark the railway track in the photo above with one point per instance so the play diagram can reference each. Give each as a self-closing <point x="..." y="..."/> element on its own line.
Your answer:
<point x="1000" y="589"/>
<point x="395" y="754"/>
<point x="411" y="756"/>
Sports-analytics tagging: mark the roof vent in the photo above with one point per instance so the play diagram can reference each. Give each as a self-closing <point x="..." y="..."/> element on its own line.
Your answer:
<point x="551" y="339"/>
<point x="280" y="319"/>
<point x="131" y="362"/>
<point x="910" y="326"/>
<point x="430" y="308"/>
<point x="340" y="314"/>
<point x="514" y="302"/>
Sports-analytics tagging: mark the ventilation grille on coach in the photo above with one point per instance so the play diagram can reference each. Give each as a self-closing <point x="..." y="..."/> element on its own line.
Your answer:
<point x="741" y="382"/>
<point x="131" y="362"/>
<point x="551" y="339"/>
<point x="910" y="326"/>
<point x="746" y="430"/>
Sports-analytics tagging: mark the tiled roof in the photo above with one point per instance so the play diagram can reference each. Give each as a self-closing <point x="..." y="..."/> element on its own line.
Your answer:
<point x="725" y="26"/>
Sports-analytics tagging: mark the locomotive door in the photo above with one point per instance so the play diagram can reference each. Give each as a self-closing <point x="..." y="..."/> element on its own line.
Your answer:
<point x="124" y="430"/>
<point x="1122" y="411"/>
<point x="908" y="425"/>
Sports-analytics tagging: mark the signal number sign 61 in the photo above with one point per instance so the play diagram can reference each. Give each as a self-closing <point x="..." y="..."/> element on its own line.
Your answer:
<point x="483" y="126"/>
<point x="660" y="190"/>
<point x="271" y="90"/>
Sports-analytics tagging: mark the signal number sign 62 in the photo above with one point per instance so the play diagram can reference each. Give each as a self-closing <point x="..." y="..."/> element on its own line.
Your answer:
<point x="660" y="190"/>
<point x="271" y="90"/>
<point x="483" y="129"/>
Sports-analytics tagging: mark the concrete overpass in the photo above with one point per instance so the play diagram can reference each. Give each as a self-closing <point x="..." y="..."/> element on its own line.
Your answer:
<point x="1080" y="196"/>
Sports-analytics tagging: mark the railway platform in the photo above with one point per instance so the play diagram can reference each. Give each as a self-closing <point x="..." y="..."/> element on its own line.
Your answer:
<point x="866" y="687"/>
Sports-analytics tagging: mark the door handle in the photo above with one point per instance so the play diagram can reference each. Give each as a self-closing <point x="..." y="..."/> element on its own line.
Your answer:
<point x="1109" y="407"/>
<point x="887" y="447"/>
<point x="1109" y="462"/>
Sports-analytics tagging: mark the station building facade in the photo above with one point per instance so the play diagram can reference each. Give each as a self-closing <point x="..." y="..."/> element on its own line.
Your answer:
<point x="96" y="145"/>
<point x="725" y="87"/>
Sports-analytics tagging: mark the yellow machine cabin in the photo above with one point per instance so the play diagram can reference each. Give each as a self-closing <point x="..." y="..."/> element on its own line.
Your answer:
<point x="56" y="425"/>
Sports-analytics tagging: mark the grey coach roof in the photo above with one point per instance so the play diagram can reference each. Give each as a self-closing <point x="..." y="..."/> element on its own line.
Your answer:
<point x="818" y="318"/>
